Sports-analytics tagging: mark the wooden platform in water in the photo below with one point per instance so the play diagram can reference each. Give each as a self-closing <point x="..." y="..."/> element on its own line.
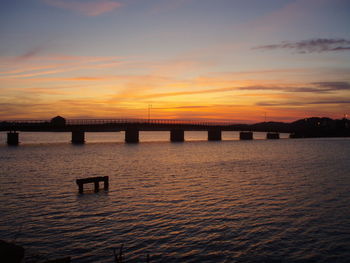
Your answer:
<point x="95" y="180"/>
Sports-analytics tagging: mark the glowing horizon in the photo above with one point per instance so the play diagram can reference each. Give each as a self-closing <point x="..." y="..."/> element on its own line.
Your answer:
<point x="223" y="60"/>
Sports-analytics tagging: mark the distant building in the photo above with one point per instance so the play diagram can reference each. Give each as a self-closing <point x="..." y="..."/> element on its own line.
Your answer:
<point x="58" y="120"/>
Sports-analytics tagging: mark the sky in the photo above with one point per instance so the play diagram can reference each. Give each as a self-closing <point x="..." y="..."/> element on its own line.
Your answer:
<point x="243" y="61"/>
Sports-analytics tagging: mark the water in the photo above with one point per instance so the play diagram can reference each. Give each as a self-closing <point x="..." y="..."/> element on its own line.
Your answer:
<point x="197" y="201"/>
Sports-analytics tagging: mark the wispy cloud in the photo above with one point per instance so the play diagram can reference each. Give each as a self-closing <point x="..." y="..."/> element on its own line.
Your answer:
<point x="29" y="54"/>
<point x="184" y="93"/>
<point x="316" y="45"/>
<point x="267" y="90"/>
<point x="332" y="86"/>
<point x="298" y="103"/>
<point x="318" y="87"/>
<point x="42" y="91"/>
<point x="87" y="7"/>
<point x="22" y="67"/>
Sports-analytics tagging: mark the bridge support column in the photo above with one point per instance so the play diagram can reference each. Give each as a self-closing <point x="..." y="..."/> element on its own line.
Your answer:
<point x="177" y="135"/>
<point x="214" y="135"/>
<point x="12" y="138"/>
<point x="246" y="135"/>
<point x="131" y="135"/>
<point x="272" y="135"/>
<point x="78" y="137"/>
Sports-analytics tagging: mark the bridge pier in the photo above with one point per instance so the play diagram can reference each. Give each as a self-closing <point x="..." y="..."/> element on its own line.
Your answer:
<point x="131" y="135"/>
<point x="12" y="138"/>
<point x="214" y="135"/>
<point x="177" y="135"/>
<point x="78" y="137"/>
<point x="246" y="135"/>
<point x="272" y="135"/>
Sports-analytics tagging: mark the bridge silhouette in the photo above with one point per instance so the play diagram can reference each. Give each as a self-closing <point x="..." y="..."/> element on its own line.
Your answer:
<point x="132" y="127"/>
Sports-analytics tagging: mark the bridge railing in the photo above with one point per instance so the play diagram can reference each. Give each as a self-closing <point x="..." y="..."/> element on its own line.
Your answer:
<point x="117" y="121"/>
<point x="142" y="121"/>
<point x="24" y="121"/>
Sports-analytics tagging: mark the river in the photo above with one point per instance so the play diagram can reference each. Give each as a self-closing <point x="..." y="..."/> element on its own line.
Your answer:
<point x="281" y="200"/>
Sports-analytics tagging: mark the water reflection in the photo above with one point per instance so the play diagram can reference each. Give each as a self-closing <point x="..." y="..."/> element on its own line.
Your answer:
<point x="197" y="201"/>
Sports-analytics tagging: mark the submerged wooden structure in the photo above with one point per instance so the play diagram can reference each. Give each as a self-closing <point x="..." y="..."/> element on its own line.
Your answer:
<point x="95" y="180"/>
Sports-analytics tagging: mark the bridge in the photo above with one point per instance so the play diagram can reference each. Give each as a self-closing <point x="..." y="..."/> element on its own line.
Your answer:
<point x="132" y="127"/>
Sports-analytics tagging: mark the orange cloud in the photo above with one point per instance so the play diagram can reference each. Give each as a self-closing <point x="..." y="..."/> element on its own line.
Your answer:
<point x="181" y="93"/>
<point x="87" y="78"/>
<point x="116" y="87"/>
<point x="89" y="8"/>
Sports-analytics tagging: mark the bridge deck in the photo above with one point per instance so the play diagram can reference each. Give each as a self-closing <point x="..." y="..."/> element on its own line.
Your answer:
<point x="95" y="125"/>
<point x="132" y="127"/>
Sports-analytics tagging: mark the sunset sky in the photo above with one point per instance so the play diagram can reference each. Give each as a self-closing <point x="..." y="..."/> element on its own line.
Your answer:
<point x="231" y="60"/>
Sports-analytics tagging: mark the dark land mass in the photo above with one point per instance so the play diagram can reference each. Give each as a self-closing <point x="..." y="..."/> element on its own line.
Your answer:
<point x="306" y="128"/>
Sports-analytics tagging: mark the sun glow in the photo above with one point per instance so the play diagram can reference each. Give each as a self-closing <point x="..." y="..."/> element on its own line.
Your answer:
<point x="183" y="66"/>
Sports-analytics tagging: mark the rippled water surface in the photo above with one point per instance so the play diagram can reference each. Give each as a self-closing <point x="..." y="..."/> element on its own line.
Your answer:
<point x="197" y="201"/>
